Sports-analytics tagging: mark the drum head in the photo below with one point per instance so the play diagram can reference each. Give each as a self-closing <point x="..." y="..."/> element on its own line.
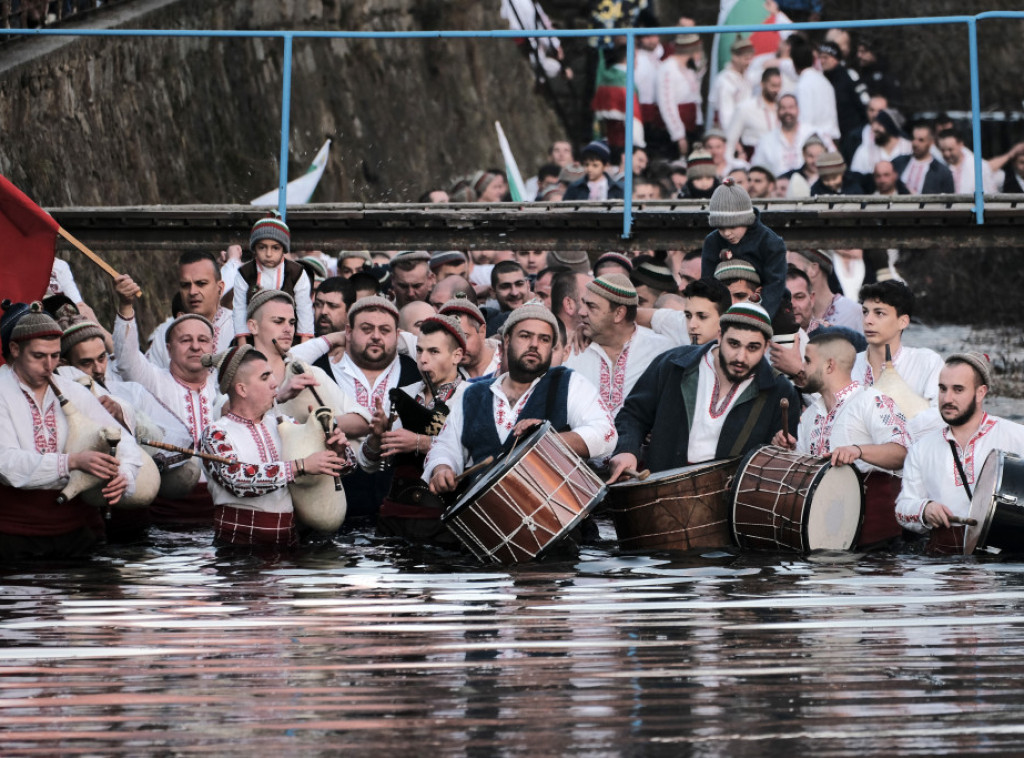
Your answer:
<point x="498" y="469"/>
<point x="683" y="472"/>
<point x="983" y="503"/>
<point x="836" y="510"/>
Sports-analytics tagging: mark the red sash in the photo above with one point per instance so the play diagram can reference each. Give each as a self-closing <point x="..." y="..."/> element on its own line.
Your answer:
<point x="688" y="114"/>
<point x="880" y="493"/>
<point x="650" y="114"/>
<point x="35" y="513"/>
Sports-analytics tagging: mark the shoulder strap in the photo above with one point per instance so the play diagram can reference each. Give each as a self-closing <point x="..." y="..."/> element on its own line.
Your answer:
<point x="960" y="469"/>
<point x="748" y="428"/>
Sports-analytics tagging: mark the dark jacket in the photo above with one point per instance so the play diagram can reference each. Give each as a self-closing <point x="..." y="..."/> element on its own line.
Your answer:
<point x="850" y="187"/>
<point x="578" y="190"/>
<point x="760" y="246"/>
<point x="664" y="399"/>
<point x="937" y="181"/>
<point x="849" y="105"/>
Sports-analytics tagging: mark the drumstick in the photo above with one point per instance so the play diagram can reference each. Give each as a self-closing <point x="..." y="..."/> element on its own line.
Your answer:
<point x="187" y="451"/>
<point x="784" y="405"/>
<point x="638" y="475"/>
<point x="966" y="521"/>
<point x="473" y="469"/>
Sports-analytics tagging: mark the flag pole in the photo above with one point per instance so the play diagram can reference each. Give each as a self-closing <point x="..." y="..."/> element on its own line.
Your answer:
<point x="90" y="254"/>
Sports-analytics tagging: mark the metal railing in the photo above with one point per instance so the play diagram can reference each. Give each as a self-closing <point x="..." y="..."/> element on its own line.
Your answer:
<point x="288" y="37"/>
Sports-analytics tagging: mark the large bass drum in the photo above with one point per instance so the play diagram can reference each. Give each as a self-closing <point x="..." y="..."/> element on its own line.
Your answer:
<point x="786" y="501"/>
<point x="998" y="506"/>
<point x="527" y="502"/>
<point x="684" y="508"/>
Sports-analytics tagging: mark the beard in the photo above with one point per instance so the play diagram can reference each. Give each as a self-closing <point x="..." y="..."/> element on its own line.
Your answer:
<point x="814" y="383"/>
<point x="364" y="360"/>
<point x="728" y="370"/>
<point x="881" y="139"/>
<point x="518" y="371"/>
<point x="964" y="417"/>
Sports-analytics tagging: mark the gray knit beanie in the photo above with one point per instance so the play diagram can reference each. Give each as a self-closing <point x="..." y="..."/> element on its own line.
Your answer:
<point x="730" y="206"/>
<point x="272" y="228"/>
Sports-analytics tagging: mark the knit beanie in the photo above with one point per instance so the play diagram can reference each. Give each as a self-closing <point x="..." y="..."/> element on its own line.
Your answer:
<point x="654" y="275"/>
<point x="272" y="228"/>
<point x="700" y="165"/>
<point x="831" y="164"/>
<point x="737" y="268"/>
<point x="460" y="306"/>
<point x="446" y="258"/>
<point x="615" y="288"/>
<point x="597" y="149"/>
<point x="22" y="323"/>
<point x="185" y="317"/>
<point x="531" y="310"/>
<point x="450" y="324"/>
<point x="978" y="361"/>
<point x="748" y="316"/>
<point x="227" y="364"/>
<point x="363" y="255"/>
<point x="315" y="268"/>
<point x="78" y="331"/>
<point x="462" y="191"/>
<point x="814" y="139"/>
<point x="730" y="206"/>
<point x="409" y="257"/>
<point x="481" y="180"/>
<point x="821" y="257"/>
<point x="263" y="297"/>
<point x="612" y="257"/>
<point x="714" y="131"/>
<point x="575" y="260"/>
<point x="372" y="303"/>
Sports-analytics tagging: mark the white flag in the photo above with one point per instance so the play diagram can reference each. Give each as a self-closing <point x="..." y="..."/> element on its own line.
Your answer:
<point x="299" y="190"/>
<point x="515" y="179"/>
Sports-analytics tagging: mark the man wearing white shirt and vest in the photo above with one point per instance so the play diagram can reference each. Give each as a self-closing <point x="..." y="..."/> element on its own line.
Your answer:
<point x="511" y="404"/>
<point x="942" y="467"/>
<point x="619" y="350"/>
<point x="201" y="288"/>
<point x="34" y="460"/>
<point x="701" y="403"/>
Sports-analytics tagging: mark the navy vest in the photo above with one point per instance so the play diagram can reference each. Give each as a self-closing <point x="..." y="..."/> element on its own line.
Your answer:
<point x="549" y="402"/>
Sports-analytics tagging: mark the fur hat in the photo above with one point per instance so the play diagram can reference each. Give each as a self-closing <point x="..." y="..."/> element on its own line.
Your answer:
<point x="273" y="228"/>
<point x="730" y="206"/>
<point x="748" y="316"/>
<point x="615" y="288"/>
<point x="263" y="297"/>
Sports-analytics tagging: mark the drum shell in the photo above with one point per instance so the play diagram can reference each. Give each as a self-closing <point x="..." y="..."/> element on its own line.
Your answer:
<point x="526" y="504"/>
<point x="774" y="514"/>
<point x="999" y="509"/>
<point x="681" y="509"/>
<point x="952" y="541"/>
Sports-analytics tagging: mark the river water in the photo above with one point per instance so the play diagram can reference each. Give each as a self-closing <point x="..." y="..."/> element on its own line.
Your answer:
<point x="174" y="648"/>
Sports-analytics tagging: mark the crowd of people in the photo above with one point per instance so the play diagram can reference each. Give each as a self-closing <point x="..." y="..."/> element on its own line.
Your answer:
<point x="431" y="362"/>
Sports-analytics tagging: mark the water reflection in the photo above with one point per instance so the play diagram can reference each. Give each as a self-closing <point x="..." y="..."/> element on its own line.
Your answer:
<point x="174" y="647"/>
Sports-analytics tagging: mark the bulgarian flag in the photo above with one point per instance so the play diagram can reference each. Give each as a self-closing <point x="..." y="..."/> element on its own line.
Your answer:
<point x="28" y="242"/>
<point x="609" y="104"/>
<point x="300" y="190"/>
<point x="516" y="187"/>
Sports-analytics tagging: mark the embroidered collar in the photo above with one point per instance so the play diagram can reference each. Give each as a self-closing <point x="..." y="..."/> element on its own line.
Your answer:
<point x="987" y="422"/>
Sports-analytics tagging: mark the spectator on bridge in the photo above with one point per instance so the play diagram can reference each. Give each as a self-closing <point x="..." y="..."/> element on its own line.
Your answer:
<point x="489" y="185"/>
<point x="887" y="181"/>
<point x="801" y="180"/>
<point x="1013" y="181"/>
<point x="730" y="87"/>
<point x="679" y="87"/>
<point x="960" y="161"/>
<point x="888" y="142"/>
<point x="850" y="93"/>
<point x="559" y="154"/>
<point x="865" y="136"/>
<point x="874" y="72"/>
<point x="701" y="177"/>
<point x="755" y="116"/>
<point x="762" y="183"/>
<point x="714" y="143"/>
<point x="834" y="179"/>
<point x="781" y="149"/>
<point x="597" y="183"/>
<point x="814" y="92"/>
<point x="921" y="171"/>
<point x="741" y="177"/>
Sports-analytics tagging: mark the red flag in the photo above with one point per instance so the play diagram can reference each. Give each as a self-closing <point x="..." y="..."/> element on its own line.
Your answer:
<point x="28" y="241"/>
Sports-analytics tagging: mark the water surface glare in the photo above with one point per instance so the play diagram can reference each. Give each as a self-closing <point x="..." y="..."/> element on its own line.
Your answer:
<point x="174" y="648"/>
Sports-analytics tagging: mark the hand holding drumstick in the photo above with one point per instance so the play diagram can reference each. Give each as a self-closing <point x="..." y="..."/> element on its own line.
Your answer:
<point x="782" y="437"/>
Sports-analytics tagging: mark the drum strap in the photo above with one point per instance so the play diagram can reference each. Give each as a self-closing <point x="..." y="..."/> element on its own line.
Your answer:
<point x="960" y="469"/>
<point x="748" y="428"/>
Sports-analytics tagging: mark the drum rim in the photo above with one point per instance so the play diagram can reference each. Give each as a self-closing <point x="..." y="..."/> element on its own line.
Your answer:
<point x="979" y="533"/>
<point x="498" y="470"/>
<point x="664" y="476"/>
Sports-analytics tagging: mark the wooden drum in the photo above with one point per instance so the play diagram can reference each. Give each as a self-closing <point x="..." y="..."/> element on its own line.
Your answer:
<point x="680" y="509"/>
<point x="527" y="502"/>
<point x="998" y="506"/>
<point x="786" y="501"/>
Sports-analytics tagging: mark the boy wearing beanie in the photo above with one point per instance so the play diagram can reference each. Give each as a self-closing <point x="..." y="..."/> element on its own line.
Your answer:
<point x="740" y="234"/>
<point x="597" y="183"/>
<point x="269" y="241"/>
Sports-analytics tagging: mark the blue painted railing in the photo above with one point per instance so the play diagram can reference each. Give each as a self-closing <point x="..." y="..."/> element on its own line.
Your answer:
<point x="288" y="37"/>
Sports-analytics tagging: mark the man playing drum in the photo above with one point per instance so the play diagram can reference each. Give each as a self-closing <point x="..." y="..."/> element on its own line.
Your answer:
<point x="410" y="510"/>
<point x="252" y="505"/>
<point x="35" y="461"/>
<point x="514" y="402"/>
<point x="619" y="350"/>
<point x="852" y="424"/>
<point x="934" y="489"/>
<point x="701" y="403"/>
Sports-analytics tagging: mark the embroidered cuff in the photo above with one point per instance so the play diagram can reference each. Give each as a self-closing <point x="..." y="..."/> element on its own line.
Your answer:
<point x="63" y="470"/>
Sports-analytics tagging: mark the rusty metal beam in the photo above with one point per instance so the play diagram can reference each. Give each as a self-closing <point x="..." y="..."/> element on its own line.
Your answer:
<point x="842" y="222"/>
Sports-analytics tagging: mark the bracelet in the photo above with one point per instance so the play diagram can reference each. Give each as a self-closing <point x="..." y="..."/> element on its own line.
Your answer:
<point x="860" y="453"/>
<point x="302" y="467"/>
